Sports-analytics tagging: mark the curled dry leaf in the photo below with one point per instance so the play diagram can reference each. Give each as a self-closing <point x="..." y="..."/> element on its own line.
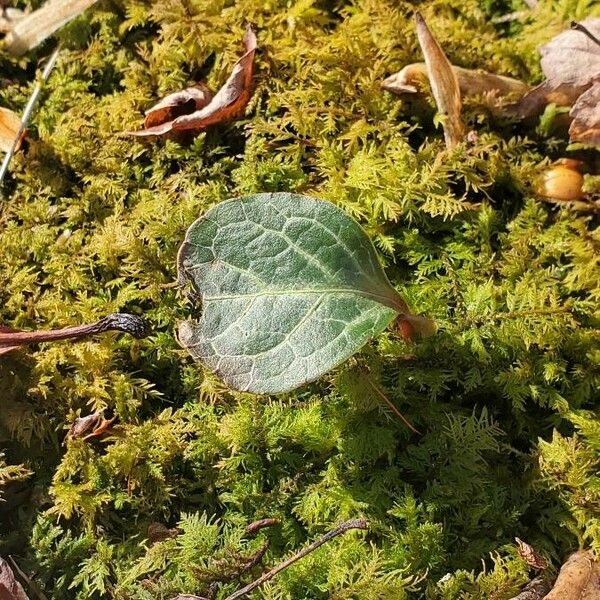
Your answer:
<point x="11" y="339"/>
<point x="10" y="123"/>
<point x="578" y="579"/>
<point x="493" y="90"/>
<point x="177" y="104"/>
<point x="536" y="100"/>
<point x="572" y="57"/>
<point x="10" y="588"/>
<point x="444" y="84"/>
<point x="227" y="103"/>
<point x="103" y="427"/>
<point x="34" y="28"/>
<point x="586" y="117"/>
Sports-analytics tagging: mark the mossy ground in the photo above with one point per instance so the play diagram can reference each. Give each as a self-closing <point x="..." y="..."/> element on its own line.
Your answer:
<point x="505" y="395"/>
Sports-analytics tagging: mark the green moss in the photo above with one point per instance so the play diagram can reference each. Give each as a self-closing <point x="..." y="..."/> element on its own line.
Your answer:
<point x="505" y="395"/>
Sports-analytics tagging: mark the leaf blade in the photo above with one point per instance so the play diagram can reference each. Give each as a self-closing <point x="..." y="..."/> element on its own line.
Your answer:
<point x="290" y="288"/>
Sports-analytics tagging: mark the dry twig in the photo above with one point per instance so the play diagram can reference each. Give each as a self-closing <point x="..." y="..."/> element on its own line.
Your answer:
<point x="28" y="111"/>
<point x="11" y="340"/>
<point x="340" y="529"/>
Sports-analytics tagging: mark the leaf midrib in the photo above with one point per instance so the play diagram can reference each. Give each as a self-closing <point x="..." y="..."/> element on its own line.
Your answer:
<point x="380" y="298"/>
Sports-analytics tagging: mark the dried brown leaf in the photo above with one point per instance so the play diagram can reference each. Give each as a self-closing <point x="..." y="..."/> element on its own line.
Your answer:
<point x="571" y="57"/>
<point x="90" y="426"/>
<point x="411" y="79"/>
<point x="571" y="63"/>
<point x="491" y="88"/>
<point x="444" y="84"/>
<point x="530" y="555"/>
<point x="10" y="588"/>
<point x="578" y="579"/>
<point x="586" y="117"/>
<point x="177" y="104"/>
<point x="103" y="427"/>
<point x="83" y="425"/>
<point x="33" y="29"/>
<point x="10" y="123"/>
<point x="227" y="103"/>
<point x="535" y="101"/>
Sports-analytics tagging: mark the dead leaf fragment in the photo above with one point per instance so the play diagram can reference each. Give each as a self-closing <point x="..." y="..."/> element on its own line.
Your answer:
<point x="9" y="18"/>
<point x="82" y="425"/>
<point x="10" y="123"/>
<point x="536" y="100"/>
<point x="227" y="103"/>
<point x="103" y="427"/>
<point x="157" y="532"/>
<point x="530" y="555"/>
<point x="571" y="57"/>
<point x="10" y="588"/>
<point x="578" y="579"/>
<point x="571" y="64"/>
<point x="586" y="117"/>
<point x="493" y="89"/>
<point x="90" y="426"/>
<point x="444" y="84"/>
<point x="177" y="104"/>
<point x="33" y="29"/>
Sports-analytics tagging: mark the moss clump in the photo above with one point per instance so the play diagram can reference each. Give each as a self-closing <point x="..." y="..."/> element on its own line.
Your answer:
<point x="505" y="395"/>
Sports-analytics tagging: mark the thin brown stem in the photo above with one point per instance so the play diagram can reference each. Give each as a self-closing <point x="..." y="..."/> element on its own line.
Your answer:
<point x="136" y="326"/>
<point x="254" y="527"/>
<point x="381" y="394"/>
<point x="340" y="529"/>
<point x="579" y="27"/>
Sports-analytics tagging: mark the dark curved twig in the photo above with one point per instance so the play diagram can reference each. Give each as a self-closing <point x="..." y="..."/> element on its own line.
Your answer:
<point x="136" y="326"/>
<point x="343" y="528"/>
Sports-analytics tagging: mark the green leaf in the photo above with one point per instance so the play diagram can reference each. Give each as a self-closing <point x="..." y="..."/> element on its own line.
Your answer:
<point x="290" y="287"/>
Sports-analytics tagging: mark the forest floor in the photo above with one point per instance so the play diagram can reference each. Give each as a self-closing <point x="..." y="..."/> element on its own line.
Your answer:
<point x="503" y="398"/>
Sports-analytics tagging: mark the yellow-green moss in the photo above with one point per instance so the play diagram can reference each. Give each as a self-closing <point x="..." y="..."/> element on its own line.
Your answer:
<point x="505" y="395"/>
